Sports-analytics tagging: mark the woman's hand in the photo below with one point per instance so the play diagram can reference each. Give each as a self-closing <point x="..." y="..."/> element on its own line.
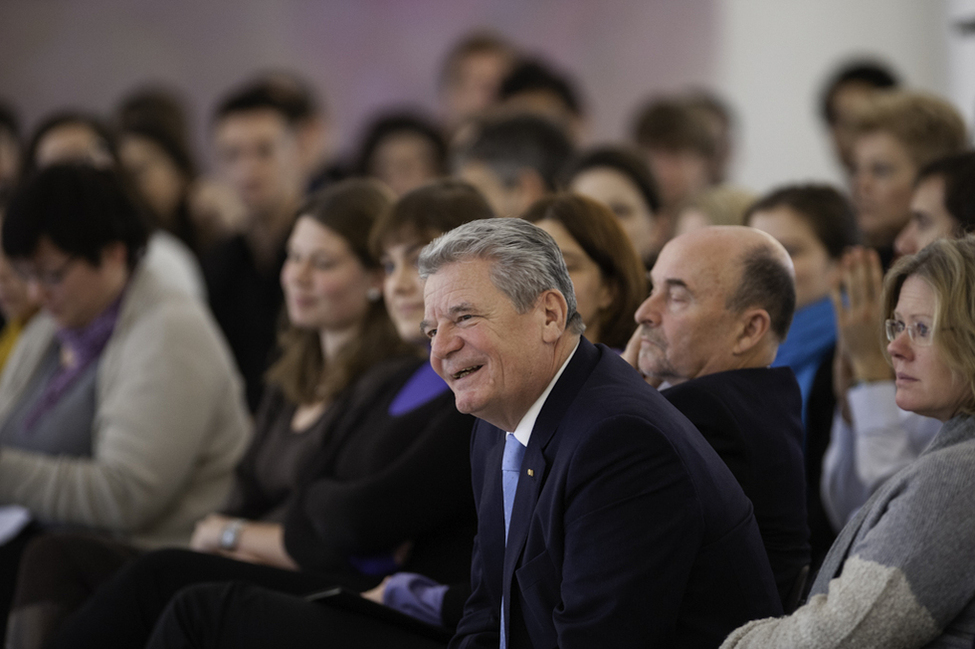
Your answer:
<point x="258" y="542"/>
<point x="206" y="535"/>
<point x="859" y="321"/>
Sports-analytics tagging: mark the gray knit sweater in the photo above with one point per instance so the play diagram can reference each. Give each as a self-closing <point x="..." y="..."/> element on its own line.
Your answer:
<point x="901" y="574"/>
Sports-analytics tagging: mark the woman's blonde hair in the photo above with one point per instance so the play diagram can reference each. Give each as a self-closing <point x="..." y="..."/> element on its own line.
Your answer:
<point x="349" y="209"/>
<point x="948" y="267"/>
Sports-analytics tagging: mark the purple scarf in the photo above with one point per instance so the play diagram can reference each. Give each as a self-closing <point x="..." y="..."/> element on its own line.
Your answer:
<point x="85" y="344"/>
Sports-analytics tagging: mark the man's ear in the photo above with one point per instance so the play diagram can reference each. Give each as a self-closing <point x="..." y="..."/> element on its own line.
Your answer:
<point x="554" y="310"/>
<point x="753" y="325"/>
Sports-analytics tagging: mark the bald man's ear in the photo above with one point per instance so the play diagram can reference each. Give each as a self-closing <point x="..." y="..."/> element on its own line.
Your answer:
<point x="554" y="311"/>
<point x="753" y="327"/>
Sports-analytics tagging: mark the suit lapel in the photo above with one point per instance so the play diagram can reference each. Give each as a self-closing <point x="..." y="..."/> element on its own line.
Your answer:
<point x="540" y="452"/>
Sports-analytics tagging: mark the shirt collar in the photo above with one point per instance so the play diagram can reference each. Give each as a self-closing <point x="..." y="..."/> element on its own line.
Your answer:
<point x="523" y="430"/>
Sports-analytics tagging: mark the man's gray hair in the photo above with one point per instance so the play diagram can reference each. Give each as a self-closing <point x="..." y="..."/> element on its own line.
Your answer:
<point x="527" y="261"/>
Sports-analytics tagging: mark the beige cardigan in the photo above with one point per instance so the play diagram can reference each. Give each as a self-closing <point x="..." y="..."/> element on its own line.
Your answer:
<point x="170" y="424"/>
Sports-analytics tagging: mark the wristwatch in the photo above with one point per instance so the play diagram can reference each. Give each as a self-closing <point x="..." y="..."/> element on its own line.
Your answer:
<point x="230" y="536"/>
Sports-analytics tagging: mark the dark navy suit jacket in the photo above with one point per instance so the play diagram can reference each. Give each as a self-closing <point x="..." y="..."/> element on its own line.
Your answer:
<point x="753" y="419"/>
<point x="627" y="529"/>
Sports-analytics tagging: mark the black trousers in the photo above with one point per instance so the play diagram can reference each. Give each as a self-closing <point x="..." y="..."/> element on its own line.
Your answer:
<point x="237" y="615"/>
<point x="123" y="612"/>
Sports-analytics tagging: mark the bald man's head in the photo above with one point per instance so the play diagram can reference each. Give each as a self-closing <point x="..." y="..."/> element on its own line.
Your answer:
<point x="723" y="299"/>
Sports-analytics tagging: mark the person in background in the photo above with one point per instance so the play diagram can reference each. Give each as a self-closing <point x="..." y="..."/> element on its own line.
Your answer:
<point x="358" y="466"/>
<point x="900" y="573"/>
<point x="620" y="179"/>
<point x="608" y="279"/>
<point x="471" y="75"/>
<point x="404" y="149"/>
<point x="534" y="87"/>
<point x="256" y="142"/>
<point x="848" y="92"/>
<point x="722" y="205"/>
<point x="513" y="161"/>
<point x="679" y="141"/>
<point x="10" y="151"/>
<point x="722" y="120"/>
<point x="897" y="133"/>
<point x="816" y="225"/>
<point x="943" y="204"/>
<point x="17" y="307"/>
<point x="77" y="137"/>
<point x="120" y="409"/>
<point x="872" y="438"/>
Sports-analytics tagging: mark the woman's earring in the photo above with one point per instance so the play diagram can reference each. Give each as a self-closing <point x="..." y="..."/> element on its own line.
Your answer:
<point x="373" y="294"/>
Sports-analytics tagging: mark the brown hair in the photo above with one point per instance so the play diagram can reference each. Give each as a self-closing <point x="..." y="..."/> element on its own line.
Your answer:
<point x="929" y="127"/>
<point x="599" y="234"/>
<point x="349" y="209"/>
<point x="948" y="267"/>
<point x="427" y="212"/>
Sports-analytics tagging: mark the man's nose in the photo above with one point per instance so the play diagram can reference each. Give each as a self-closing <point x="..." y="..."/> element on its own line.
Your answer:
<point x="444" y="343"/>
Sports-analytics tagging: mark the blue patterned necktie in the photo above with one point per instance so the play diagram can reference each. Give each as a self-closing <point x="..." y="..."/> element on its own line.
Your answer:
<point x="514" y="453"/>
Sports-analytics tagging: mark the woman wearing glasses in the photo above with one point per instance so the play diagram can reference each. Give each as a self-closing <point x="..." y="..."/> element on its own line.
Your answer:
<point x="901" y="574"/>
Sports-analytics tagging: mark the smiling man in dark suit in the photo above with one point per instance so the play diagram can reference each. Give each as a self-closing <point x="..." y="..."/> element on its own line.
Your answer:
<point x="604" y="518"/>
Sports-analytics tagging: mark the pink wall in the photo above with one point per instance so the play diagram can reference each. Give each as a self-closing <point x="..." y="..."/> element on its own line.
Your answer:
<point x="363" y="54"/>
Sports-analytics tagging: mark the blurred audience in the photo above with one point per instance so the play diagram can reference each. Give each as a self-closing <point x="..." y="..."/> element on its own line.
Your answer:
<point x="10" y="151"/>
<point x="514" y="161"/>
<point x="404" y="149"/>
<point x="120" y="410"/>
<point x="534" y="87"/>
<point x="471" y="76"/>
<point x="17" y="306"/>
<point x="844" y="96"/>
<point x="621" y="180"/>
<point x="896" y="134"/>
<point x="256" y="142"/>
<point x="722" y="205"/>
<point x="78" y="137"/>
<point x="680" y="143"/>
<point x="722" y="121"/>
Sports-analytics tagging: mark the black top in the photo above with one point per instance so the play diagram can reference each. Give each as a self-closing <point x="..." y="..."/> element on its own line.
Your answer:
<point x="246" y="302"/>
<point x="753" y="419"/>
<point x="372" y="480"/>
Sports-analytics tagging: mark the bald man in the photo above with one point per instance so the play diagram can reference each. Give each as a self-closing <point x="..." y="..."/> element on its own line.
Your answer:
<point x="722" y="301"/>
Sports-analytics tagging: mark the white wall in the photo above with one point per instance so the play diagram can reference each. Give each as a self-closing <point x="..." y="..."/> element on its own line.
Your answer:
<point x="774" y="56"/>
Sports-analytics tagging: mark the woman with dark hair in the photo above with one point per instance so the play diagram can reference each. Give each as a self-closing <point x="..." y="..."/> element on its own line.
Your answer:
<point x="900" y="573"/>
<point x="621" y="180"/>
<point x="815" y="224"/>
<point x="607" y="276"/>
<point x="404" y="150"/>
<point x="359" y="465"/>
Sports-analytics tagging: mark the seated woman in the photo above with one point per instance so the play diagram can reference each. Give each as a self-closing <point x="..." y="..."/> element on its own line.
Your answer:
<point x="900" y="574"/>
<point x="607" y="276"/>
<point x="360" y="466"/>
<point x="815" y="224"/>
<point x="620" y="179"/>
<point x="120" y="409"/>
<point x="872" y="438"/>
